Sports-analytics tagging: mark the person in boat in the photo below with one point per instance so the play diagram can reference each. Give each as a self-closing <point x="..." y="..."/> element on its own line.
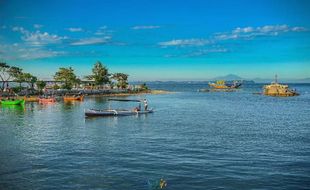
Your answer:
<point x="145" y="104"/>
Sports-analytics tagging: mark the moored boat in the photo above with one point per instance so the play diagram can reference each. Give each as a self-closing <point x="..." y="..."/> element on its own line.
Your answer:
<point x="47" y="100"/>
<point x="221" y="84"/>
<point x="73" y="97"/>
<point x="31" y="98"/>
<point x="13" y="102"/>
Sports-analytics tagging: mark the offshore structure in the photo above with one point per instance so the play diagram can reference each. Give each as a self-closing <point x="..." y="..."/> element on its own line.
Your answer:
<point x="276" y="89"/>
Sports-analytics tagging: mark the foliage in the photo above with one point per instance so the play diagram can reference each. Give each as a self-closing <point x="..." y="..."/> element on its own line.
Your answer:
<point x="100" y="74"/>
<point x="4" y="73"/>
<point x="17" y="74"/>
<point x="30" y="79"/>
<point x="144" y="86"/>
<point x="17" y="89"/>
<point x="67" y="76"/>
<point x="40" y="85"/>
<point x="121" y="79"/>
<point x="56" y="87"/>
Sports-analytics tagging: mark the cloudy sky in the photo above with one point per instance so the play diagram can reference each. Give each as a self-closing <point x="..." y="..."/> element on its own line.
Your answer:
<point x="159" y="40"/>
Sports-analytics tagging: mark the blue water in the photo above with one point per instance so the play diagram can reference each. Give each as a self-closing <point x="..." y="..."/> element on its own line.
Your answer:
<point x="194" y="140"/>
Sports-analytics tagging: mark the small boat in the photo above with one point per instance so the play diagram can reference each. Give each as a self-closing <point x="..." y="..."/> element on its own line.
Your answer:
<point x="13" y="102"/>
<point x="47" y="100"/>
<point x="114" y="112"/>
<point x="220" y="84"/>
<point x="119" y="112"/>
<point x="73" y="97"/>
<point x="31" y="98"/>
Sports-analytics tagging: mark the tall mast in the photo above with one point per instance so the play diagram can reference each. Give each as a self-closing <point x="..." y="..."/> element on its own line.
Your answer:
<point x="276" y="78"/>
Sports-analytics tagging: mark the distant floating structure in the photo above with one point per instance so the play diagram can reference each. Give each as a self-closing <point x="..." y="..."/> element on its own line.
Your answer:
<point x="276" y="89"/>
<point x="220" y="84"/>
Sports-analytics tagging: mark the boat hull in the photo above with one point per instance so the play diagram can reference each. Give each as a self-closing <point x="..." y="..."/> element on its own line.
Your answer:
<point x="47" y="100"/>
<point x="12" y="102"/>
<point x="31" y="99"/>
<point x="106" y="113"/>
<point x="71" y="98"/>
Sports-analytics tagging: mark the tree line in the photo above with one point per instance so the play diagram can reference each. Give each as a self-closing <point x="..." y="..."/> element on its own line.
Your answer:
<point x="100" y="76"/>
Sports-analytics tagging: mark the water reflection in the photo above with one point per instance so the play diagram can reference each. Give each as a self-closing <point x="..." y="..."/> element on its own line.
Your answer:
<point x="69" y="105"/>
<point x="111" y="121"/>
<point x="13" y="108"/>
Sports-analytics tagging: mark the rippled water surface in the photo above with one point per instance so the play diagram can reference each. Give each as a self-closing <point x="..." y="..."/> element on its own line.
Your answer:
<point x="193" y="140"/>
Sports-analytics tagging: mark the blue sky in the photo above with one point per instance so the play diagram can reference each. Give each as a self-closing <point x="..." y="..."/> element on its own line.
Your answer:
<point x="159" y="40"/>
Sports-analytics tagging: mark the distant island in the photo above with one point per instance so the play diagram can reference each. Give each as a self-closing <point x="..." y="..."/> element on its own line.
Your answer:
<point x="228" y="78"/>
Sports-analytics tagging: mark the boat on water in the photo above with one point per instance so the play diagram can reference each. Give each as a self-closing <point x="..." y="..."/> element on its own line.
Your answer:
<point x="45" y="100"/>
<point x="73" y="97"/>
<point x="277" y="89"/>
<point x="119" y="112"/>
<point x="31" y="98"/>
<point x="12" y="102"/>
<point x="221" y="84"/>
<point x="114" y="112"/>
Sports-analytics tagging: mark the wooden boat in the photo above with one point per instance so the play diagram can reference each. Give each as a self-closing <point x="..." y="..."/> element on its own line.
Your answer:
<point x="73" y="97"/>
<point x="118" y="112"/>
<point x="222" y="85"/>
<point x="13" y="102"/>
<point x="47" y="100"/>
<point x="31" y="98"/>
<point x="114" y="112"/>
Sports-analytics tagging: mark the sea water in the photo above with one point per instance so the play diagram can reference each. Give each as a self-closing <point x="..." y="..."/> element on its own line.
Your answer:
<point x="193" y="140"/>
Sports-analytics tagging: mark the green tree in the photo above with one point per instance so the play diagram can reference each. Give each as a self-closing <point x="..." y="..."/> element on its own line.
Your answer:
<point x="121" y="79"/>
<point x="67" y="76"/>
<point x="30" y="79"/>
<point x="40" y="85"/>
<point x="17" y="74"/>
<point x="100" y="74"/>
<point x="144" y="86"/>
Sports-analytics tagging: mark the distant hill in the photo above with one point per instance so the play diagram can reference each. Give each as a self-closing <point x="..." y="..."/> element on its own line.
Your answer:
<point x="228" y="77"/>
<point x="305" y="80"/>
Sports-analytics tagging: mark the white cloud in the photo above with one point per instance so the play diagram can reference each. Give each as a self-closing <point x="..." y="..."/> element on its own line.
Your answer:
<point x="207" y="52"/>
<point x="243" y="30"/>
<point x="200" y="52"/>
<point x="103" y="30"/>
<point x="103" y="27"/>
<point x="185" y="42"/>
<point x="298" y="29"/>
<point x="3" y="27"/>
<point x="38" y="38"/>
<point x="145" y="27"/>
<point x="252" y="32"/>
<point x="42" y="38"/>
<point x="37" y="53"/>
<point x="91" y="41"/>
<point x="75" y="29"/>
<point x="37" y="26"/>
<point x="20" y="52"/>
<point x="19" y="29"/>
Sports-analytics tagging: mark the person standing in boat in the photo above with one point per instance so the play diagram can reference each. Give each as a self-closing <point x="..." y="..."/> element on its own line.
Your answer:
<point x="145" y="104"/>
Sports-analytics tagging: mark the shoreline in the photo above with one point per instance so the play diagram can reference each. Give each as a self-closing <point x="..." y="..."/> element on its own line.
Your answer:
<point x="110" y="94"/>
